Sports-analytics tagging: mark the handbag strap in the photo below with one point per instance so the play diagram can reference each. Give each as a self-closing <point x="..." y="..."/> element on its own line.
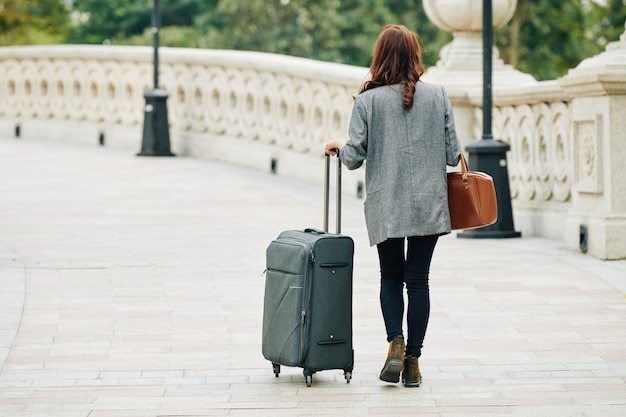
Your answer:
<point x="464" y="166"/>
<point x="464" y="169"/>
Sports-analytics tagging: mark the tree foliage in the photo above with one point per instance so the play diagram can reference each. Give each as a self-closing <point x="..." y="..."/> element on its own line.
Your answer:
<point x="610" y="20"/>
<point x="24" y="22"/>
<point x="544" y="38"/>
<point x="97" y="21"/>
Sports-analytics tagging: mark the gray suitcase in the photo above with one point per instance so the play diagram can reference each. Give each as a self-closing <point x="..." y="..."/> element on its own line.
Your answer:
<point x="307" y="317"/>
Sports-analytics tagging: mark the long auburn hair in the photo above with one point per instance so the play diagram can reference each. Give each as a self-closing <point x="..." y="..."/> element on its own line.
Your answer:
<point x="397" y="60"/>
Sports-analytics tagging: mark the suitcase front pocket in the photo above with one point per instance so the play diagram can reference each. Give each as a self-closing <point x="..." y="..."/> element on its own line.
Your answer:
<point x="282" y="318"/>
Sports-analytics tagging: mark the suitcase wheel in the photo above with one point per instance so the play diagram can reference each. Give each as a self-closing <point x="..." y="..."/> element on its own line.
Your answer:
<point x="276" y="368"/>
<point x="308" y="377"/>
<point x="348" y="375"/>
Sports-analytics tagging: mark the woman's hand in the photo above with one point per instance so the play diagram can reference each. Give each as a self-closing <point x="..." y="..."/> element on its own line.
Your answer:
<point x="333" y="145"/>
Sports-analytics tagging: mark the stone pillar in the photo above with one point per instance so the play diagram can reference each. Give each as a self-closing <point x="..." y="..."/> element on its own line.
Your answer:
<point x="460" y="67"/>
<point x="598" y="90"/>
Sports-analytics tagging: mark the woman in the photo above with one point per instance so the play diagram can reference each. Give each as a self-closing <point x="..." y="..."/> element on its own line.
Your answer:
<point x="405" y="130"/>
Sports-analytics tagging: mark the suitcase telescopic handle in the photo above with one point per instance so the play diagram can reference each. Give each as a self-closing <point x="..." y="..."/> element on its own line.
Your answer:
<point x="327" y="194"/>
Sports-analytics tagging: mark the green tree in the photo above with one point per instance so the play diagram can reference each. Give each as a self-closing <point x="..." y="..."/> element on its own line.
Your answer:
<point x="332" y="30"/>
<point x="33" y="22"/>
<point x="174" y="36"/>
<point x="610" y="20"/>
<point x="13" y="15"/>
<point x="546" y="39"/>
<point x="109" y="20"/>
<point x="129" y="22"/>
<point x="186" y="12"/>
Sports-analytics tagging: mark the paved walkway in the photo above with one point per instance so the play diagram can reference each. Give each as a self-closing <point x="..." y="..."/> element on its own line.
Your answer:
<point x="132" y="287"/>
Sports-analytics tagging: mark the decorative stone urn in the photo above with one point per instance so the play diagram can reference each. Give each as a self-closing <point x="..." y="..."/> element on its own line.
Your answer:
<point x="461" y="61"/>
<point x="467" y="15"/>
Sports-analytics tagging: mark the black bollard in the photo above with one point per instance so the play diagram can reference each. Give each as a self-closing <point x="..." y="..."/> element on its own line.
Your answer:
<point x="156" y="136"/>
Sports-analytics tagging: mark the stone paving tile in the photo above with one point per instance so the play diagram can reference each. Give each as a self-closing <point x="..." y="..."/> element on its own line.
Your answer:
<point x="141" y="289"/>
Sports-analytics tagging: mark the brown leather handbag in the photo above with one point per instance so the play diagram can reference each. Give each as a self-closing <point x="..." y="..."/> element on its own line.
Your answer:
<point x="471" y="198"/>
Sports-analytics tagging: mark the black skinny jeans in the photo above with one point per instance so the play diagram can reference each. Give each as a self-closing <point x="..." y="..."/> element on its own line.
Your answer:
<point x="395" y="271"/>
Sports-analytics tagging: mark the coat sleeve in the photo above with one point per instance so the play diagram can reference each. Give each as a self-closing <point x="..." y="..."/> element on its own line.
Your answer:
<point x="453" y="148"/>
<point x="355" y="151"/>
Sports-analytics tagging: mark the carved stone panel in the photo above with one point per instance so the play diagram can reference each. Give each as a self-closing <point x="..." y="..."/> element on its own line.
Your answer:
<point x="588" y="155"/>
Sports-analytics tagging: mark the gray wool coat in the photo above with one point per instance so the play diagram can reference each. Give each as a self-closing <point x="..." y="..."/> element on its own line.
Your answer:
<point x="407" y="153"/>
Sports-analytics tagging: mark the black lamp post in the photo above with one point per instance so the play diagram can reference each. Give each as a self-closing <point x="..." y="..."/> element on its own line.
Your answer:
<point x="489" y="155"/>
<point x="156" y="134"/>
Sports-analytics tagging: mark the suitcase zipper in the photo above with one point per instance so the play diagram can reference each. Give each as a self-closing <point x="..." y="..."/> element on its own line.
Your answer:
<point x="305" y="306"/>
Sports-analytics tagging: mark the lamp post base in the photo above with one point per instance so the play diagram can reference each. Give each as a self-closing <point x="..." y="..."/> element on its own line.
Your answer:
<point x="156" y="134"/>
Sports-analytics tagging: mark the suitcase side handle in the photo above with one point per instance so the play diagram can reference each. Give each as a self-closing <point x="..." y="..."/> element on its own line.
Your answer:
<point x="327" y="193"/>
<point x="334" y="265"/>
<point x="332" y="342"/>
<point x="314" y="230"/>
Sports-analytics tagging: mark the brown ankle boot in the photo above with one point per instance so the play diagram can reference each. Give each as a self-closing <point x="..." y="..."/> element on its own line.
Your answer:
<point x="411" y="376"/>
<point x="395" y="361"/>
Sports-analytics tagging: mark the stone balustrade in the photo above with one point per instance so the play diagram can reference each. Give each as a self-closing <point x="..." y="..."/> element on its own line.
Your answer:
<point x="258" y="110"/>
<point x="282" y="101"/>
<point x="535" y="121"/>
